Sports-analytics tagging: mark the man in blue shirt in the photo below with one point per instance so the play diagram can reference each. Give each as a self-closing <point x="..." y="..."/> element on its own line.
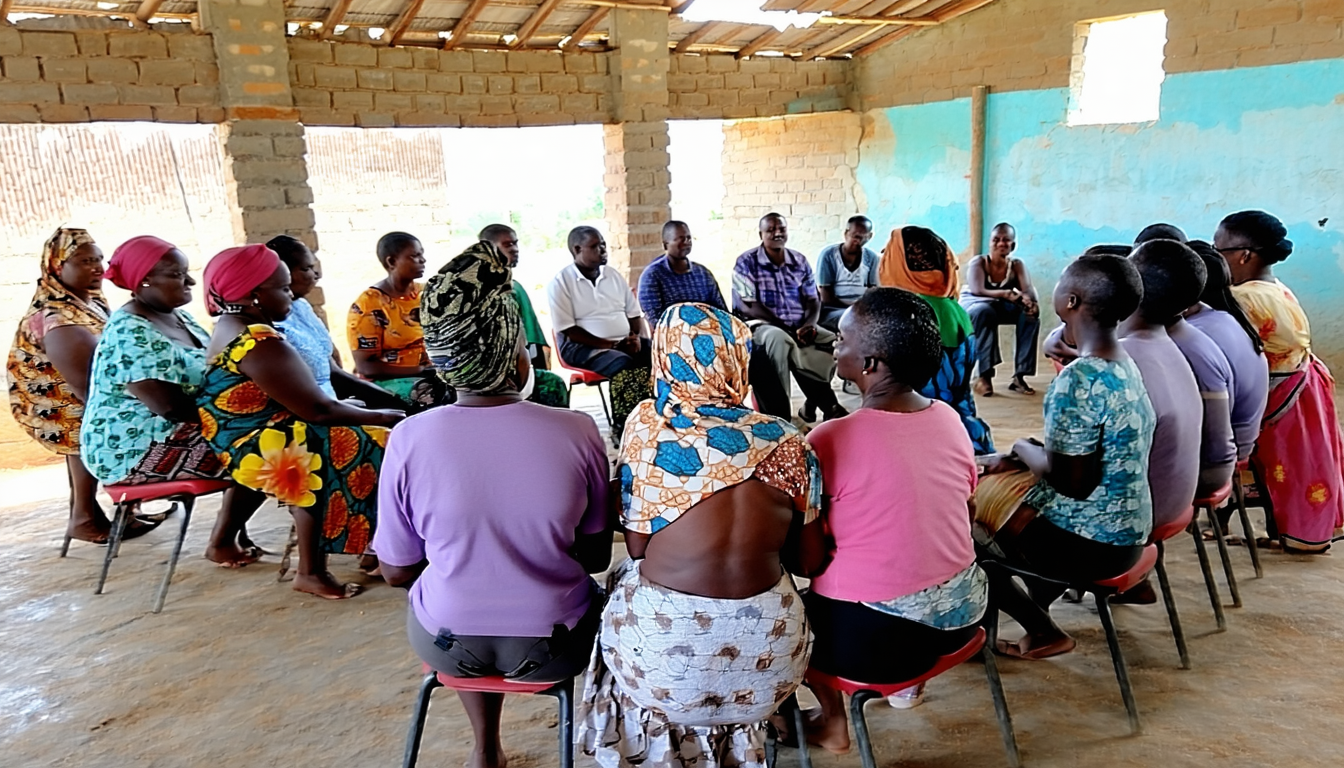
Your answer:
<point x="673" y="278"/>
<point x="775" y="292"/>
<point x="845" y="271"/>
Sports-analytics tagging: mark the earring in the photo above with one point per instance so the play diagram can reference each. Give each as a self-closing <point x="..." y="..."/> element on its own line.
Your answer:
<point x="145" y="284"/>
<point x="256" y="302"/>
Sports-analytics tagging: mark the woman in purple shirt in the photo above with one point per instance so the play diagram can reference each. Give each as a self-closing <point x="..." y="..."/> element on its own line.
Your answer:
<point x="497" y="569"/>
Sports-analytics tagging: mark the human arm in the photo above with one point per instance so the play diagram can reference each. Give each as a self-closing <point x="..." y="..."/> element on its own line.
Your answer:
<point x="1057" y="348"/>
<point x="651" y="300"/>
<point x="275" y="367"/>
<point x="70" y="349"/>
<point x="1218" y="447"/>
<point x="165" y="399"/>
<point x="745" y="296"/>
<point x="366" y="329"/>
<point x="350" y="386"/>
<point x="807" y="551"/>
<point x="975" y="283"/>
<point x="826" y="276"/>
<point x="396" y="539"/>
<point x="1030" y="301"/>
<point x="592" y="539"/>
<point x="1070" y="459"/>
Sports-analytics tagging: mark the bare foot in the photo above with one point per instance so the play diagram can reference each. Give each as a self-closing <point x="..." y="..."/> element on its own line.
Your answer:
<point x="93" y="531"/>
<point x="1035" y="648"/>
<point x="232" y="557"/>
<point x="983" y="387"/>
<point x="324" y="585"/>
<point x="830" y="734"/>
<point x="492" y="757"/>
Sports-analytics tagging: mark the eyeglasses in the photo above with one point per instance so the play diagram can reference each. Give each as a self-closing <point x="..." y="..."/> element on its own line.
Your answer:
<point x="1235" y="248"/>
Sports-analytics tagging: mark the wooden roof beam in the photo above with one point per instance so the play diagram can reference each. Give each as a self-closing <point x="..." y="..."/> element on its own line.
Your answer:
<point x="588" y="25"/>
<point x="147" y="10"/>
<point x="403" y="22"/>
<point x="944" y="14"/>
<point x="533" y="23"/>
<point x="334" y="17"/>
<point x="757" y="43"/>
<point x="464" y="23"/>
<point x="698" y="34"/>
<point x="842" y="42"/>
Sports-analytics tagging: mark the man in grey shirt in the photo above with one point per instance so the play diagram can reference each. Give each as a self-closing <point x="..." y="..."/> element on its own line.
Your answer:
<point x="845" y="271"/>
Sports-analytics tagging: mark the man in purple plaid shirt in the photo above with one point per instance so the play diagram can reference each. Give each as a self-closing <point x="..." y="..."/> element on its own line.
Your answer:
<point x="775" y="292"/>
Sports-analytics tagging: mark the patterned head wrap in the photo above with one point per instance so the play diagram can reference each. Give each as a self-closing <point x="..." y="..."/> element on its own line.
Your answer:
<point x="55" y="252"/>
<point x="697" y="436"/>
<point x="471" y="319"/>
<point x="235" y="272"/>
<point x="916" y="259"/>
<point x="134" y="259"/>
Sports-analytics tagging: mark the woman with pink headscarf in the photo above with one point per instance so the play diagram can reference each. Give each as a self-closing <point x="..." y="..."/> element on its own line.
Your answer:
<point x="276" y="430"/>
<point x="140" y="424"/>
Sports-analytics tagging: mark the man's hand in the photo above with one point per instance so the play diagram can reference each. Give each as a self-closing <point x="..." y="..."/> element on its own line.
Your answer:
<point x="629" y="345"/>
<point x="806" y="334"/>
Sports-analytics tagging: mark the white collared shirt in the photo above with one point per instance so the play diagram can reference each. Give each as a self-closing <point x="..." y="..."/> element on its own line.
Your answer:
<point x="603" y="308"/>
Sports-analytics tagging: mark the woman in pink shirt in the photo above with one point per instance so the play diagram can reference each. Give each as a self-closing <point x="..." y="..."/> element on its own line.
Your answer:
<point x="902" y="588"/>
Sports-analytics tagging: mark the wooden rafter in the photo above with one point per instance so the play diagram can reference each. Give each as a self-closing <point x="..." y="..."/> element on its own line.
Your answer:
<point x="681" y="7"/>
<point x="334" y="17"/>
<point x="147" y="9"/>
<point x="698" y="34"/>
<point x="403" y="22"/>
<point x="5" y="6"/>
<point x="841" y="42"/>
<point x="944" y="14"/>
<point x="464" y="23"/>
<point x="588" y="25"/>
<point x="890" y="37"/>
<point x="534" y="22"/>
<point x="759" y="42"/>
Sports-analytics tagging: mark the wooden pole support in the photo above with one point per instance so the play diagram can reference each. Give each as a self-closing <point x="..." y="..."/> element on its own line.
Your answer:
<point x="979" y="98"/>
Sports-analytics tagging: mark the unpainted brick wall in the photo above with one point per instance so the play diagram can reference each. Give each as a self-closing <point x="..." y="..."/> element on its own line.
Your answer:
<point x="802" y="167"/>
<point x="79" y="76"/>
<point x="1030" y="44"/>
<point x="723" y="87"/>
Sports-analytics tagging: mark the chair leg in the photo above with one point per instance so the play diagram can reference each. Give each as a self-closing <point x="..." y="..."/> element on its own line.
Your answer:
<point x="427" y="686"/>
<point x="290" y="544"/>
<point x="1118" y="659"/>
<point x="604" y="395"/>
<point x="1239" y="494"/>
<point x="121" y="512"/>
<point x="563" y="693"/>
<point x="799" y="734"/>
<point x="187" y="505"/>
<point x="1217" y="526"/>
<point x="1212" y="586"/>
<point x="1001" y="707"/>
<point x="1169" y="599"/>
<point x="856" y="703"/>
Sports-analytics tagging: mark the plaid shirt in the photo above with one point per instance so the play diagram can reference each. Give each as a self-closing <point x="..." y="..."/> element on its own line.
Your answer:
<point x="781" y="289"/>
<point x="660" y="288"/>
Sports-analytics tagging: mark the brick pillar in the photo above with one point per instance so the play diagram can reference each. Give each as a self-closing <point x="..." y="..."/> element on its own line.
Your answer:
<point x="263" y="140"/>
<point x="639" y="194"/>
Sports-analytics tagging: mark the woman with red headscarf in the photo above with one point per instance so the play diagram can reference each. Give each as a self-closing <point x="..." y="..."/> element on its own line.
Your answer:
<point x="140" y="424"/>
<point x="49" y="366"/>
<point x="276" y="430"/>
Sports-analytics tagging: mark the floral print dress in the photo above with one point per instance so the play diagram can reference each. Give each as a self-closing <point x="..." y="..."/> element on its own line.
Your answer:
<point x="330" y="471"/>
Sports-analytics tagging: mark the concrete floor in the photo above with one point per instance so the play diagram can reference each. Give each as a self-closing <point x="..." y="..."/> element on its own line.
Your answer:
<point x="241" y="671"/>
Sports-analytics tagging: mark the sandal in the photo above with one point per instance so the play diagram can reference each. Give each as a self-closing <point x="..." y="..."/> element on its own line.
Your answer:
<point x="1022" y="388"/>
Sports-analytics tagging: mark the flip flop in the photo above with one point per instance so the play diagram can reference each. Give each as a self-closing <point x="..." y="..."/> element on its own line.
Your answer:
<point x="1033" y="653"/>
<point x="350" y="589"/>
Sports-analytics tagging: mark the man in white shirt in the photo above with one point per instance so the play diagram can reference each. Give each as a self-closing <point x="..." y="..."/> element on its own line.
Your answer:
<point x="598" y="324"/>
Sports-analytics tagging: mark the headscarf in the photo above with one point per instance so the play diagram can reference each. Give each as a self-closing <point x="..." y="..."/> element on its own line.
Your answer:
<point x="51" y="293"/>
<point x="918" y="260"/>
<point x="697" y="436"/>
<point x="134" y="259"/>
<point x="471" y="319"/>
<point x="235" y="272"/>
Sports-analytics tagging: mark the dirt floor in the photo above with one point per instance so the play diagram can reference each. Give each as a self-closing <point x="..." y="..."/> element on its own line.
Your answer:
<point x="241" y="671"/>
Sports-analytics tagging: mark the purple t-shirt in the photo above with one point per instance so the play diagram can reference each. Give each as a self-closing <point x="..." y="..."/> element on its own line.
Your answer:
<point x="1213" y="374"/>
<point x="493" y="497"/>
<point x="1250" y="373"/>
<point x="1173" y="463"/>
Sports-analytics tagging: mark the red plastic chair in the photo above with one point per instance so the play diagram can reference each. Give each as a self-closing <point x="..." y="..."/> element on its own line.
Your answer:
<point x="1157" y="538"/>
<point x="579" y="376"/>
<point x="1239" y="497"/>
<point x="184" y="492"/>
<point x="1209" y="504"/>
<point x="562" y="691"/>
<point x="861" y="693"/>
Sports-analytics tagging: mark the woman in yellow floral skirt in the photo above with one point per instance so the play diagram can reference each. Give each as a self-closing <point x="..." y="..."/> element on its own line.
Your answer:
<point x="274" y="428"/>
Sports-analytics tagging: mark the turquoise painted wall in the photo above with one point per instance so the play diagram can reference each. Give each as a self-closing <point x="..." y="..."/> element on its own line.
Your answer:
<point x="1267" y="137"/>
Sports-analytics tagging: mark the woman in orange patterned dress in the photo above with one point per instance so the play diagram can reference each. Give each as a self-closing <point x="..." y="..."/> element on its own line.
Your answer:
<point x="1299" y="456"/>
<point x="273" y="427"/>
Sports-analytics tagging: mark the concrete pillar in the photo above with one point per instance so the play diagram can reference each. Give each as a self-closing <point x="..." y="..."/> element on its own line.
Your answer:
<point x="263" y="140"/>
<point x="638" y="181"/>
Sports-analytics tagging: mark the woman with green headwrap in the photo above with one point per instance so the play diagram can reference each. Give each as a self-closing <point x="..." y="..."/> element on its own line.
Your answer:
<point x="497" y="568"/>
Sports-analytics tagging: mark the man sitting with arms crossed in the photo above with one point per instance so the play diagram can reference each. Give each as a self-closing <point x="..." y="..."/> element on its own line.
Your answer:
<point x="673" y="278"/>
<point x="774" y="290"/>
<point x="845" y="271"/>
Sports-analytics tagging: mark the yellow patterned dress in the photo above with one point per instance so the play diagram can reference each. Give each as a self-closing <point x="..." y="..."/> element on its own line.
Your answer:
<point x="330" y="471"/>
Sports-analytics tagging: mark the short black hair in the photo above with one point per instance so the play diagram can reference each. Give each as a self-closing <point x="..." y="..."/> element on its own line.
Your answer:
<point x="671" y="226"/>
<point x="770" y="215"/>
<point x="393" y="243"/>
<point x="1173" y="279"/>
<point x="1109" y="249"/>
<point x="1004" y="225"/>
<point x="861" y="221"/>
<point x="1160" y="232"/>
<point x="290" y="249"/>
<point x="1218" y="290"/>
<point x="1107" y="284"/>
<point x="1268" y="236"/>
<point x="900" y="329"/>
<point x="493" y="231"/>
<point x="578" y="234"/>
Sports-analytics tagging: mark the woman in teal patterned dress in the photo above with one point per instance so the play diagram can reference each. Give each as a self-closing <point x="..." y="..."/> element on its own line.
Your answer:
<point x="275" y="430"/>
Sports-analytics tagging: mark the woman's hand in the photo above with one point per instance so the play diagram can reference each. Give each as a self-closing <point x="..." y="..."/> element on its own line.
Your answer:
<point x="386" y="418"/>
<point x="1002" y="462"/>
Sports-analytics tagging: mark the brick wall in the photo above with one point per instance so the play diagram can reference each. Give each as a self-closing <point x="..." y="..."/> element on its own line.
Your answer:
<point x="1029" y="44"/>
<point x="721" y="86"/>
<point x="78" y="76"/>
<point x="802" y="167"/>
<point x="373" y="86"/>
